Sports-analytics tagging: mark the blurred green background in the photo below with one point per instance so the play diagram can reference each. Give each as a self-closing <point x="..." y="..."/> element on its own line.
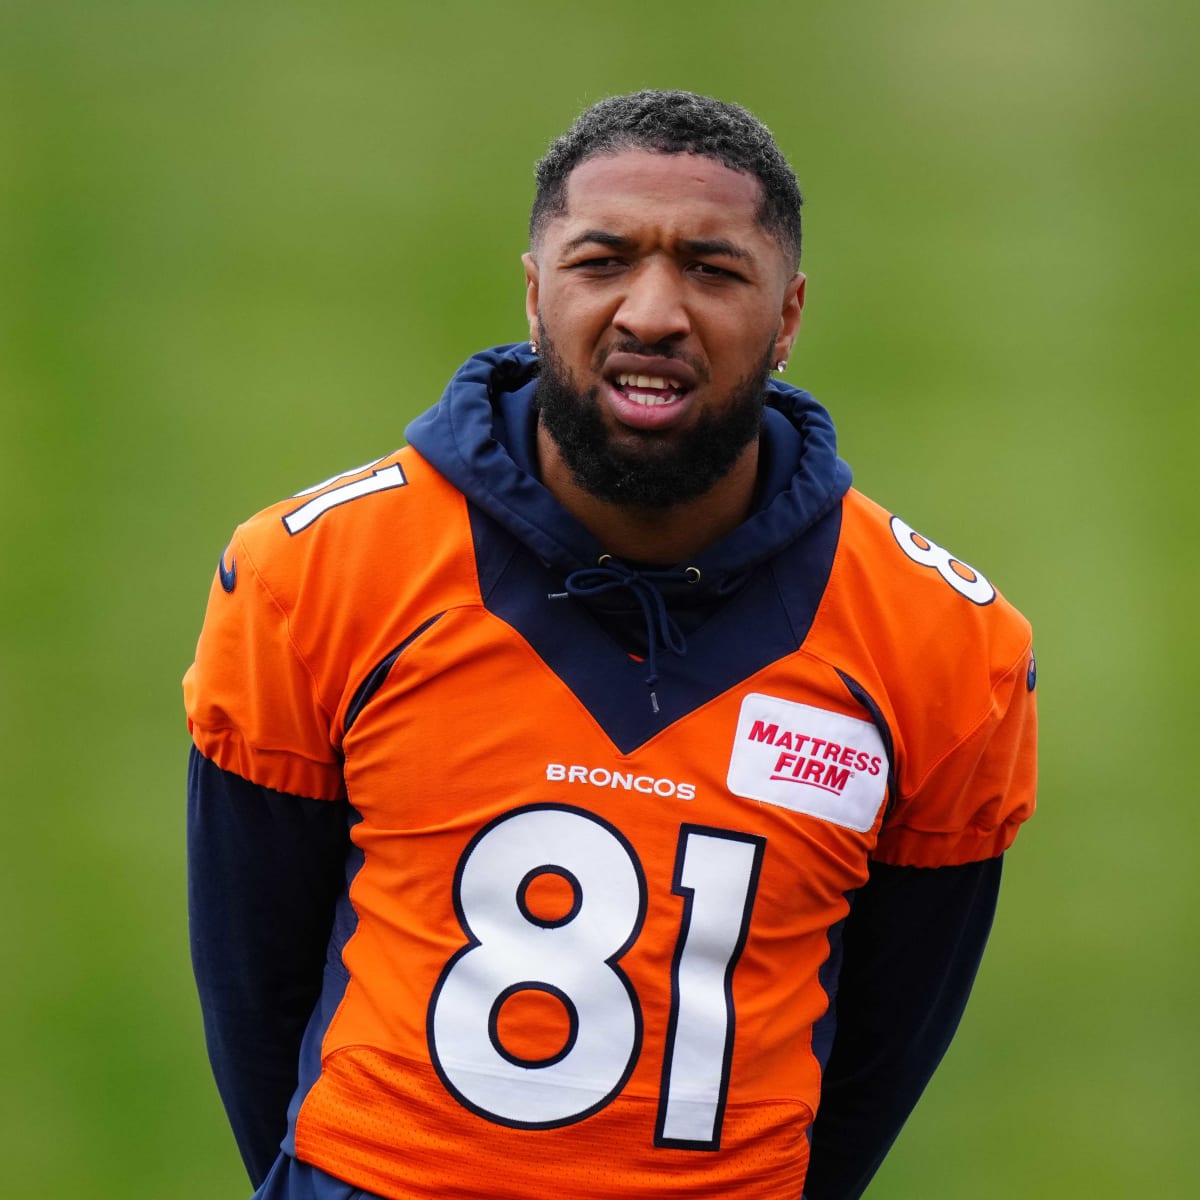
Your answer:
<point x="242" y="243"/>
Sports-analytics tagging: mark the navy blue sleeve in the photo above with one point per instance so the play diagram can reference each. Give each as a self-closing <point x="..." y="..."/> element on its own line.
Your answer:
<point x="264" y="873"/>
<point x="911" y="948"/>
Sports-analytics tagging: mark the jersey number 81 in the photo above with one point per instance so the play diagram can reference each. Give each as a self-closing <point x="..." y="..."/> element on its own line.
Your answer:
<point x="574" y="957"/>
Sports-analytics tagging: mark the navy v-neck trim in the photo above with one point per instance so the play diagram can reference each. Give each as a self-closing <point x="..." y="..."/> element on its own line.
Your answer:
<point x="767" y="619"/>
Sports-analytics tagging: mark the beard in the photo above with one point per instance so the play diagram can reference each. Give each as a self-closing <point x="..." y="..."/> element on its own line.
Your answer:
<point x="651" y="470"/>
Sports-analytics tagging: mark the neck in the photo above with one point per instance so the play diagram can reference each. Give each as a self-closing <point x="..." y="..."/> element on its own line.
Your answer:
<point x="658" y="535"/>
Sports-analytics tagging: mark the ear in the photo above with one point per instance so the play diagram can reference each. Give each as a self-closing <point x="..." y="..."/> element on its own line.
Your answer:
<point x="789" y="317"/>
<point x="531" y="294"/>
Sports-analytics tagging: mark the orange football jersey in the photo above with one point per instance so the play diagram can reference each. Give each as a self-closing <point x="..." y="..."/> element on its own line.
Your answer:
<point x="583" y="957"/>
<point x="569" y="960"/>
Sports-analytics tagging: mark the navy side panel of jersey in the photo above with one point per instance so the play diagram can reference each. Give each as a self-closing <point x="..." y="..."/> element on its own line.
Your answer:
<point x="334" y="981"/>
<point x="873" y="710"/>
<point x="825" y="1026"/>
<point x="767" y="619"/>
<point x="377" y="676"/>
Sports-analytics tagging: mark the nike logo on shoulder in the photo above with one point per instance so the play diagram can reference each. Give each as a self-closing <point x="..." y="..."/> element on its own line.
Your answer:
<point x="228" y="576"/>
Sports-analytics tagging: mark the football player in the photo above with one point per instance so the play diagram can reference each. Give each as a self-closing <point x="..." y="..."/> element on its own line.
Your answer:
<point x="600" y="795"/>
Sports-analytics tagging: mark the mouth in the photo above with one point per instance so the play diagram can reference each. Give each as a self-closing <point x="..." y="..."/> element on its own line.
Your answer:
<point x="651" y="394"/>
<point x="649" y="390"/>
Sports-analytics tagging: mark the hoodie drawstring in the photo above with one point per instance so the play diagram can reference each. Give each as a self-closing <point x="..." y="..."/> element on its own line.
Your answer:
<point x="662" y="632"/>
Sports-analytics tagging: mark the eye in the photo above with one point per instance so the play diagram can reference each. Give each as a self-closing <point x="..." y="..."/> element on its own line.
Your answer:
<point x="710" y="271"/>
<point x="602" y="262"/>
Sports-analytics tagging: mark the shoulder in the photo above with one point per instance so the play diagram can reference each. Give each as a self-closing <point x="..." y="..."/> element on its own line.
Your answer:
<point x="949" y="662"/>
<point x="920" y="592"/>
<point x="340" y="518"/>
<point x="359" y="556"/>
<point x="340" y="545"/>
<point x="310" y="594"/>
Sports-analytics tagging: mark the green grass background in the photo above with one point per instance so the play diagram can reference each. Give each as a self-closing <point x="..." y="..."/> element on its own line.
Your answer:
<point x="242" y="243"/>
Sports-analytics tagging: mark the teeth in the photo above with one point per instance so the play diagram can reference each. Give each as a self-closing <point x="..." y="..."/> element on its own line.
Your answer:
<point x="657" y="382"/>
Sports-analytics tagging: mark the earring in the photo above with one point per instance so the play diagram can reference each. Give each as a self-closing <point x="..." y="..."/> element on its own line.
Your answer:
<point x="781" y="365"/>
<point x="533" y="346"/>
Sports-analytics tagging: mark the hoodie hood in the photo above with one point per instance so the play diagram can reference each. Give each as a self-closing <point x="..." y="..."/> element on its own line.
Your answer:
<point x="480" y="436"/>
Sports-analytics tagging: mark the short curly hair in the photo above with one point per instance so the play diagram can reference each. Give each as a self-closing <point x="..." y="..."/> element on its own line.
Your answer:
<point x="673" y="122"/>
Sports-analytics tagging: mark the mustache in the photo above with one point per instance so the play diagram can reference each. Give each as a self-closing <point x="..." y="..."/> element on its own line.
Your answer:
<point x="667" y="350"/>
<point x="646" y="349"/>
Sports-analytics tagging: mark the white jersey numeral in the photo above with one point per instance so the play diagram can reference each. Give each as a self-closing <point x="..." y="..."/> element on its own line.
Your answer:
<point x="574" y="958"/>
<point x="963" y="579"/>
<point x="382" y="480"/>
<point x="717" y="874"/>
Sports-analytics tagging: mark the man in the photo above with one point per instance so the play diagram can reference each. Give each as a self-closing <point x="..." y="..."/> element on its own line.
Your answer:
<point x="585" y="793"/>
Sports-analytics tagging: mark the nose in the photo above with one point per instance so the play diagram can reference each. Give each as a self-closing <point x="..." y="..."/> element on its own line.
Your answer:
<point x="653" y="307"/>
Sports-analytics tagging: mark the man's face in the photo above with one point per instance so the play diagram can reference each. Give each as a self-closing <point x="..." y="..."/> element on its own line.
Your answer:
<point x="660" y="304"/>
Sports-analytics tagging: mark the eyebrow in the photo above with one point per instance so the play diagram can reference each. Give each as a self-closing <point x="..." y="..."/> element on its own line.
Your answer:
<point x="600" y="238"/>
<point x="704" y="247"/>
<point x="716" y="248"/>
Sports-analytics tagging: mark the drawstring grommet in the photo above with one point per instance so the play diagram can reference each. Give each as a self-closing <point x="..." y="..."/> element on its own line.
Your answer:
<point x="692" y="574"/>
